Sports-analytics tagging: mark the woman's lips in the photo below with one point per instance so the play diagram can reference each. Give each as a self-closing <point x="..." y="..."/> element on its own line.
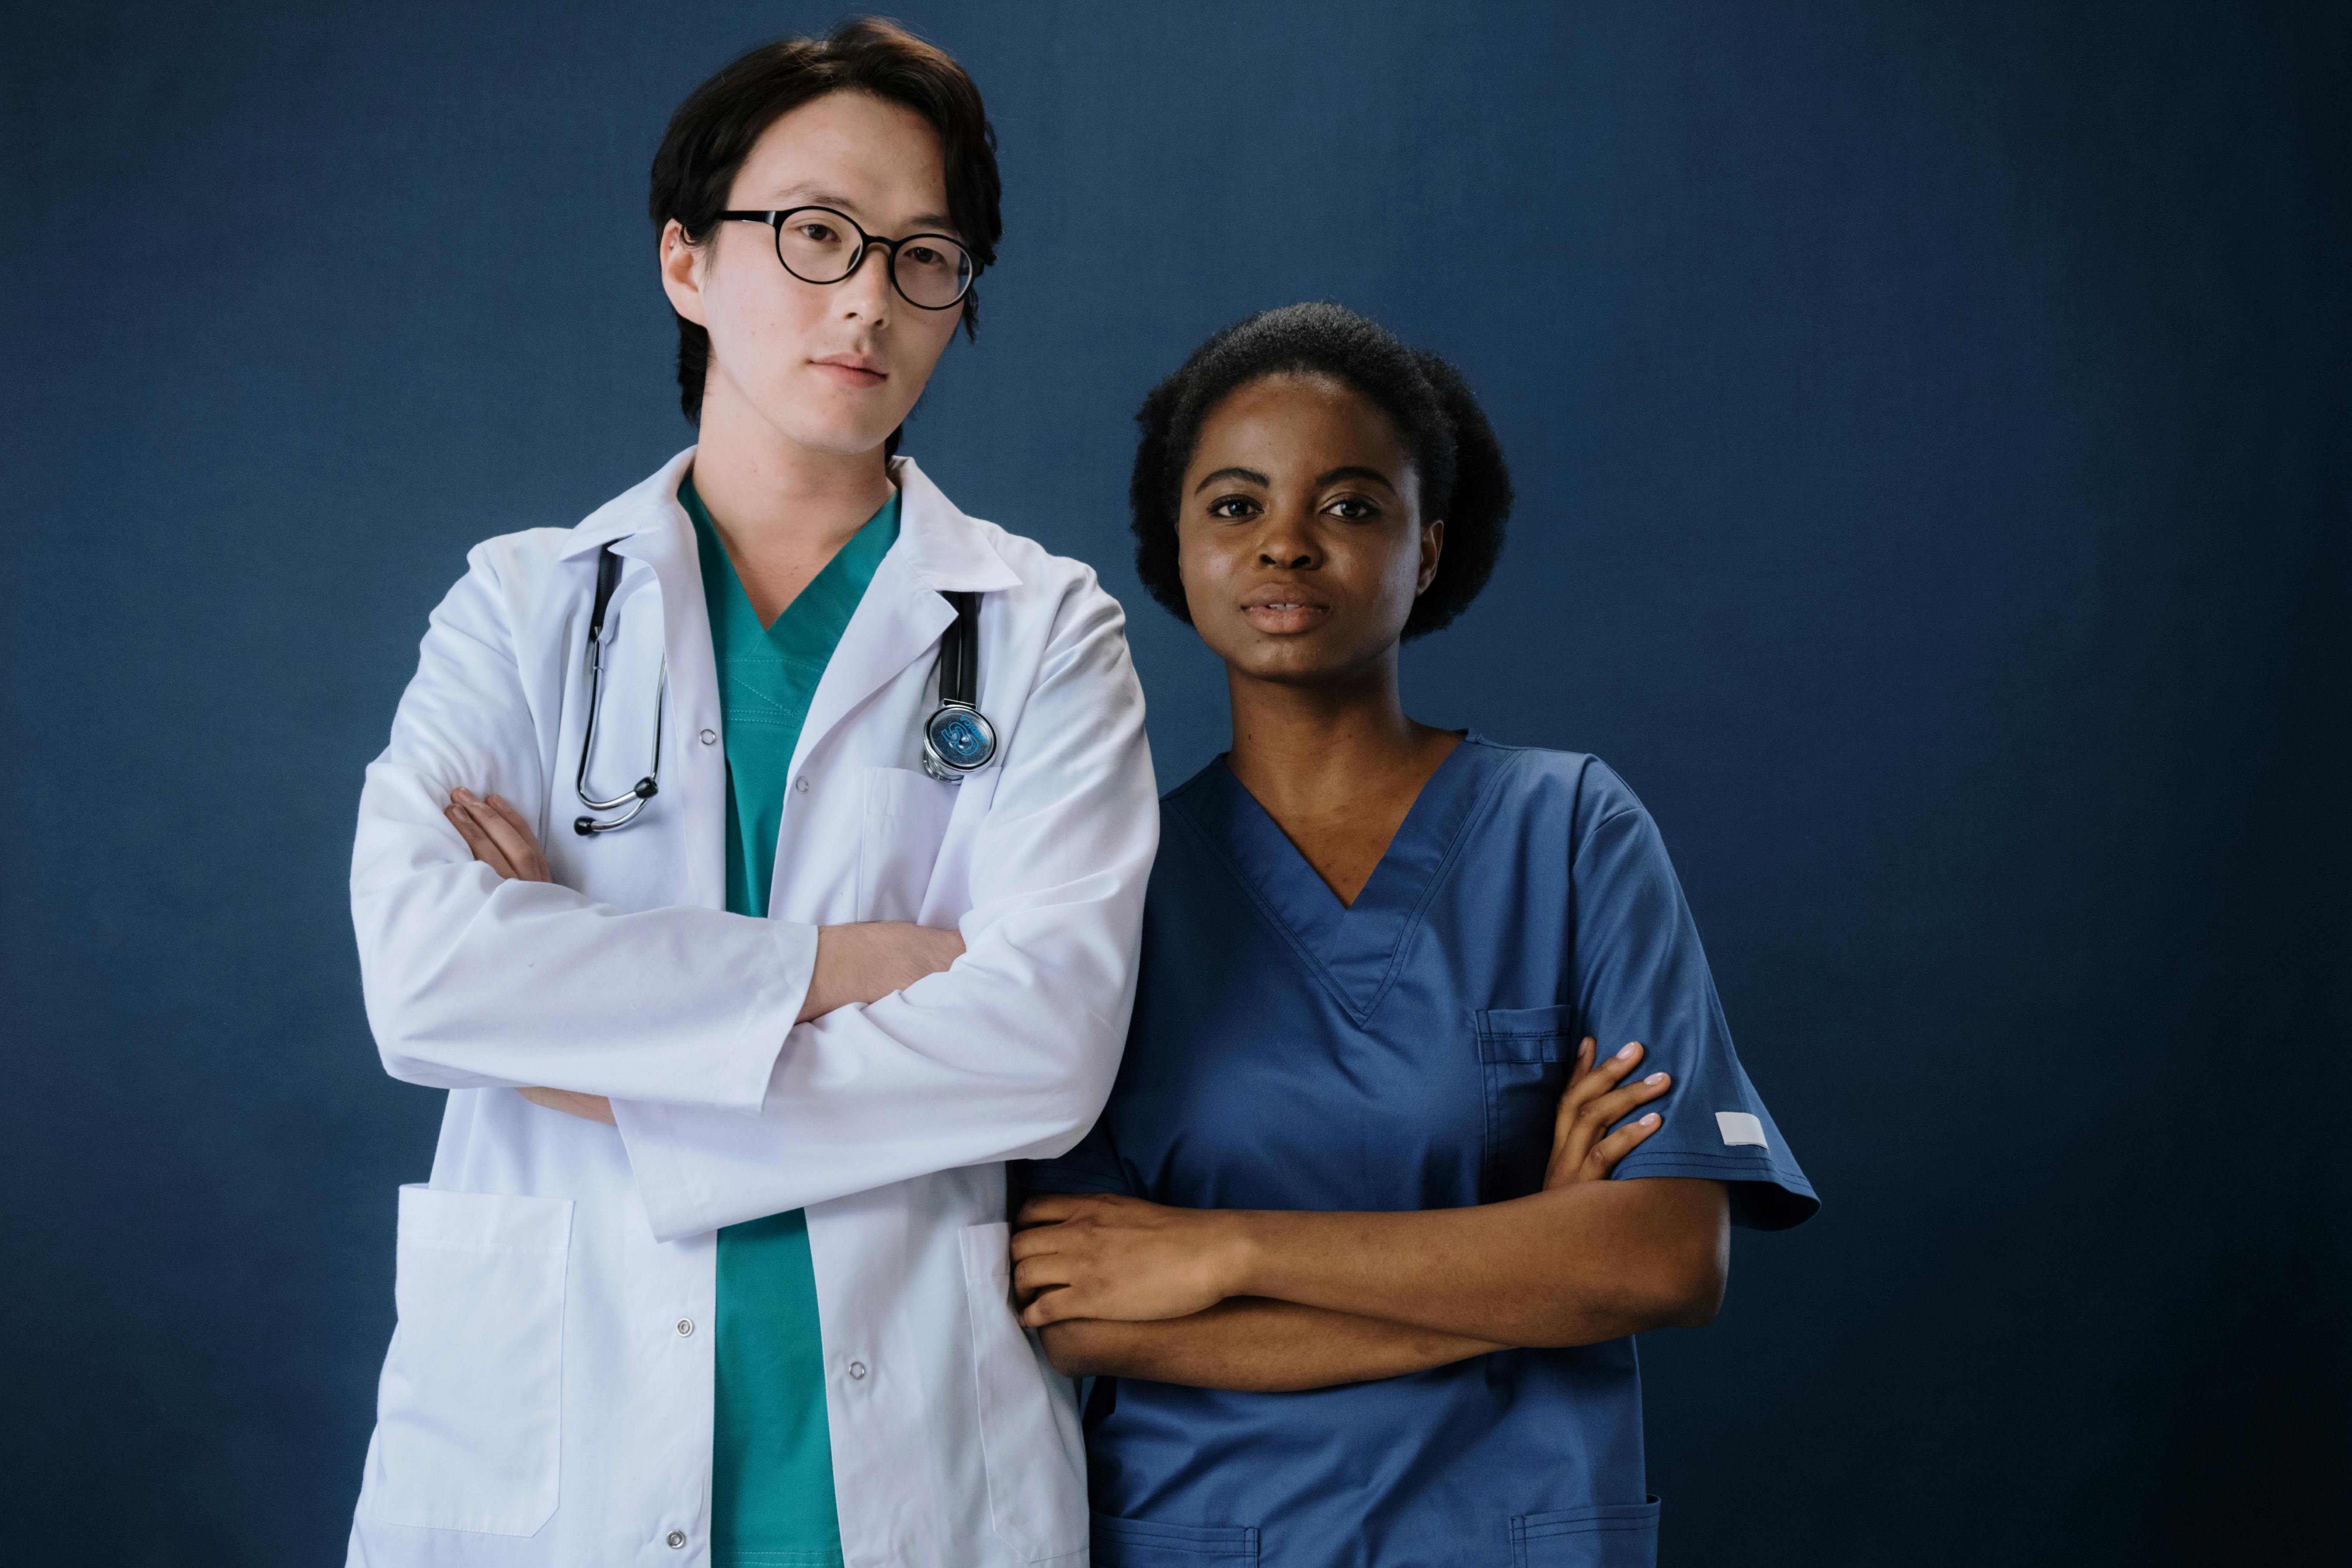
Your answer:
<point x="1280" y="616"/>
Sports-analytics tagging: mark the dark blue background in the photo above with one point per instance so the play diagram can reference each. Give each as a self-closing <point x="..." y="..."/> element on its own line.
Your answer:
<point x="1932" y="433"/>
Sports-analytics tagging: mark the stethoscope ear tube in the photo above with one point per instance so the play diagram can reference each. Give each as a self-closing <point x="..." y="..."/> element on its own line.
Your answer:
<point x="608" y="577"/>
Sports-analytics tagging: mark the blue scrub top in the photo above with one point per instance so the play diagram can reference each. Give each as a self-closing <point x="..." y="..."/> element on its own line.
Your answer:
<point x="1408" y="1052"/>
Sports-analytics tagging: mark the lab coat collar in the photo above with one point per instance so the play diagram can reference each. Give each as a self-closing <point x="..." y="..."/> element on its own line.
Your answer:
<point x="940" y="549"/>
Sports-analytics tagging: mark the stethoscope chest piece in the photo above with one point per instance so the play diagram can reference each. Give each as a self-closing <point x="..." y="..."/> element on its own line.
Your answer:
<point x="956" y="740"/>
<point x="956" y="737"/>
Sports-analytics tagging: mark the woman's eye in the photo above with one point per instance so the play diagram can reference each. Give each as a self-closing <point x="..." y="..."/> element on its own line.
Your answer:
<point x="1354" y="509"/>
<point x="1231" y="507"/>
<point x="923" y="255"/>
<point x="818" y="233"/>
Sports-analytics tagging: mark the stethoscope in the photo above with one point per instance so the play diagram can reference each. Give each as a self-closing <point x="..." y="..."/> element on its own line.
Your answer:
<point x="956" y="737"/>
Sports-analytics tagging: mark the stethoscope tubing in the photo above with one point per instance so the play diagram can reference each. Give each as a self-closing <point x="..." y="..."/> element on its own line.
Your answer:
<point x="959" y="686"/>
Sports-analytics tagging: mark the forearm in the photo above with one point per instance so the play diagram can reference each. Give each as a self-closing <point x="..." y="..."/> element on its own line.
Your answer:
<point x="1577" y="1264"/>
<point x="1255" y="1346"/>
<point x="473" y="982"/>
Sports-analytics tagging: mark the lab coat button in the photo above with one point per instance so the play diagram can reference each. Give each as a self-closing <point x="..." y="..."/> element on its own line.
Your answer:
<point x="857" y="1369"/>
<point x="711" y="737"/>
<point x="677" y="1538"/>
<point x="801" y="783"/>
<point x="685" y="1327"/>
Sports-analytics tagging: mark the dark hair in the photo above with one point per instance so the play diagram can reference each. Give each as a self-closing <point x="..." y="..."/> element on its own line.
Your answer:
<point x="1463" y="478"/>
<point x="715" y="128"/>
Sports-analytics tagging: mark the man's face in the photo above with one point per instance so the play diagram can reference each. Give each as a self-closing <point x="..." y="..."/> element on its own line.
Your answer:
<point x="830" y="367"/>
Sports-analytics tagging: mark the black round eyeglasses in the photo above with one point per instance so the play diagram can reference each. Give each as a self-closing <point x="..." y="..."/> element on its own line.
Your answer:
<point x="818" y="245"/>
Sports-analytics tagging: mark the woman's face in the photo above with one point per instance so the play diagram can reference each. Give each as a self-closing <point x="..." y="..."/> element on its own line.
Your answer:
<point x="831" y="367"/>
<point x="1299" y="536"/>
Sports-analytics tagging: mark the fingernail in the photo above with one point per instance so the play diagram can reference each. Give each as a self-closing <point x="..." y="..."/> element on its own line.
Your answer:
<point x="1650" y="1120"/>
<point x="1627" y="1051"/>
<point x="1656" y="1077"/>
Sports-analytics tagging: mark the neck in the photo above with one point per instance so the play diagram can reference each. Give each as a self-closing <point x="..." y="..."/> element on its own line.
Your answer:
<point x="1309" y="752"/>
<point x="770" y="495"/>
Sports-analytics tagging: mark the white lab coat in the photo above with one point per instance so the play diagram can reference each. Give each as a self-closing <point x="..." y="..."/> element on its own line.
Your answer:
<point x="547" y="1396"/>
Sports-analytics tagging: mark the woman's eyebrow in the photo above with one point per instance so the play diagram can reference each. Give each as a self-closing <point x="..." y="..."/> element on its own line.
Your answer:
<point x="1355" y="471"/>
<point x="1247" y="475"/>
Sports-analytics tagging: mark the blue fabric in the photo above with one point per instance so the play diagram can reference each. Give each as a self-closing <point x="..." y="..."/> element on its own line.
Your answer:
<point x="1408" y="1052"/>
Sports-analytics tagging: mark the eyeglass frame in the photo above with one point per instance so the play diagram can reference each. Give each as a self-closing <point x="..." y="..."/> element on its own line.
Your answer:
<point x="775" y="222"/>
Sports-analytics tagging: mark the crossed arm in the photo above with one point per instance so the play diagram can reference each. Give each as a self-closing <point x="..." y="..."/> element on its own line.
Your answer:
<point x="1275" y="1302"/>
<point x="1282" y="1300"/>
<point x="855" y="964"/>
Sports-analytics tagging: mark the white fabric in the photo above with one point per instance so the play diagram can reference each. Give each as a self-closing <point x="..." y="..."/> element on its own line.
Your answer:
<point x="547" y="1398"/>
<point x="1740" y="1126"/>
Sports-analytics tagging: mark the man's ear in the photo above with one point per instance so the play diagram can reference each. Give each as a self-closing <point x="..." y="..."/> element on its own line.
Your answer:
<point x="682" y="265"/>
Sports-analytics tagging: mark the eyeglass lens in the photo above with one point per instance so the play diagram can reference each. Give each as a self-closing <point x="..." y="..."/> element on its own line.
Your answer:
<point x="819" y="246"/>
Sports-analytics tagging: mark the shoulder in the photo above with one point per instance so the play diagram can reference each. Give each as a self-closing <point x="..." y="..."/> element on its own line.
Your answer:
<point x="956" y="550"/>
<point x="1056" y="595"/>
<point x="525" y="556"/>
<point x="1577" y="783"/>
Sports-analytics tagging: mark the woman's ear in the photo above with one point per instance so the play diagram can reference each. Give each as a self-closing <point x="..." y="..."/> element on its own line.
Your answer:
<point x="681" y="273"/>
<point x="1433" y="546"/>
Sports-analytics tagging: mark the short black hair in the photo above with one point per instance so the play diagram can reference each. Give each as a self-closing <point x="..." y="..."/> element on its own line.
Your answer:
<point x="1463" y="478"/>
<point x="717" y="126"/>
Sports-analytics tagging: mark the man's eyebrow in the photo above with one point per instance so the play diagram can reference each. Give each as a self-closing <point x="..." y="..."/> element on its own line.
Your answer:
<point x="1247" y="475"/>
<point x="1356" y="471"/>
<point x="921" y="223"/>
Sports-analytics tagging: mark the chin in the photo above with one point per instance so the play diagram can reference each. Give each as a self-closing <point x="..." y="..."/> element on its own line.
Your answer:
<point x="844" y="437"/>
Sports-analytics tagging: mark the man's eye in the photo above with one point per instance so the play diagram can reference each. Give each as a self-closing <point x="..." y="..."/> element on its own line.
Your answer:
<point x="818" y="233"/>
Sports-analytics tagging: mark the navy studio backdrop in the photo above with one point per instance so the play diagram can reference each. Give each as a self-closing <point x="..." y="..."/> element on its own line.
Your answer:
<point x="1931" y="426"/>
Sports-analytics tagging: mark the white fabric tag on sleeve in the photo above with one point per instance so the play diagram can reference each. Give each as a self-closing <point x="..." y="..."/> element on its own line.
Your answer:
<point x="1741" y="1127"/>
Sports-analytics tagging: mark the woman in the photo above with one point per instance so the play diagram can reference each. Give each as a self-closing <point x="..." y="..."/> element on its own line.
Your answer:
<point x="747" y="1301"/>
<point x="1338" y="1309"/>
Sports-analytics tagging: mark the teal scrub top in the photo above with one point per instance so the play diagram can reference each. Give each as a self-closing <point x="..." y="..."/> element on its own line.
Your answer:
<point x="771" y="1450"/>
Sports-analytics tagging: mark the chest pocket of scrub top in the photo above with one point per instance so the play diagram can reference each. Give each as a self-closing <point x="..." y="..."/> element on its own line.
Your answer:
<point x="1524" y="1054"/>
<point x="905" y="822"/>
<point x="469" y="1414"/>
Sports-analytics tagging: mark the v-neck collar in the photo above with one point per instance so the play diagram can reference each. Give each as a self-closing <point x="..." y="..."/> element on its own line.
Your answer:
<point x="1356" y="950"/>
<point x="824" y="605"/>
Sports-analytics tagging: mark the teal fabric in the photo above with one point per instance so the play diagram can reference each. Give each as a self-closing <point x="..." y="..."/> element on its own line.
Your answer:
<point x="771" y="1450"/>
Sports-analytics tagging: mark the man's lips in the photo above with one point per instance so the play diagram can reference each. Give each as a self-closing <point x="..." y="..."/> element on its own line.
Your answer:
<point x="853" y="370"/>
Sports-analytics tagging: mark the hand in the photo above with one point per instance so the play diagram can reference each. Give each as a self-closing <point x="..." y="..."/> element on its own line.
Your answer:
<point x="873" y="958"/>
<point x="587" y="1107"/>
<point x="1119" y="1258"/>
<point x="1582" y="1147"/>
<point x="499" y="836"/>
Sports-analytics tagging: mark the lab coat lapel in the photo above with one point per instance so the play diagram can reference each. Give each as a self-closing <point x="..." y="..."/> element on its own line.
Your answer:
<point x="900" y="618"/>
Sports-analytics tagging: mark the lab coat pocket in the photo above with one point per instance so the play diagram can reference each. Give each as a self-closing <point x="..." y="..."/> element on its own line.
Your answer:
<point x="1524" y="1054"/>
<point x="469" y="1414"/>
<point x="905" y="822"/>
<point x="1606" y="1535"/>
<point x="1147" y="1543"/>
<point x="1029" y="1438"/>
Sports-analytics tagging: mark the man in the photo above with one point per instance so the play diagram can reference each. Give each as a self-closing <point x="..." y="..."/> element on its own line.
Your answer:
<point x="712" y="1264"/>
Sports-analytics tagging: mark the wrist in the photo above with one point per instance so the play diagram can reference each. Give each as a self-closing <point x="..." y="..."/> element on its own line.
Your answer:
<point x="1239" y="1253"/>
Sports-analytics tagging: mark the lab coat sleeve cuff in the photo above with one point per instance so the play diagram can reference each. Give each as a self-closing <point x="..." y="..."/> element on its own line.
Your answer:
<point x="768" y="1019"/>
<point x="665" y="1185"/>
